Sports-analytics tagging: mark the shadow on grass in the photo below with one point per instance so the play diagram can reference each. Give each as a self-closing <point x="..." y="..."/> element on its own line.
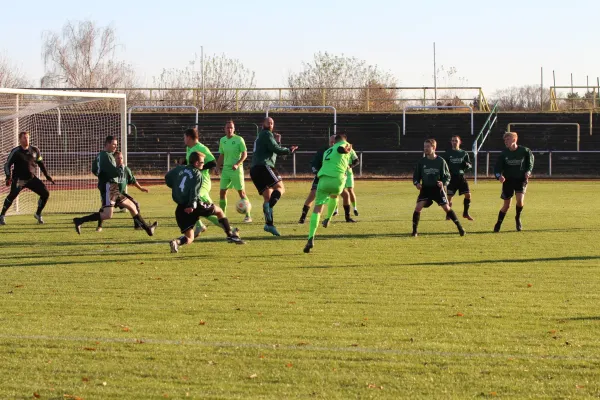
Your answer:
<point x="582" y="319"/>
<point x="511" y="261"/>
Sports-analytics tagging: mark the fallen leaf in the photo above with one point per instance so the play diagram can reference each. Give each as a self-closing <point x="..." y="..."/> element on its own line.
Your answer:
<point x="126" y="329"/>
<point x="253" y="376"/>
<point x="493" y="394"/>
<point x="261" y="356"/>
<point x="289" y="365"/>
<point x="354" y="345"/>
<point x="552" y="331"/>
<point x="529" y="284"/>
<point x="202" y="322"/>
<point x="142" y="263"/>
<point x="302" y="343"/>
<point x="184" y="378"/>
<point x="460" y="314"/>
<point x="18" y="286"/>
<point x="85" y="379"/>
<point x="166" y="395"/>
<point x="373" y="386"/>
<point x="36" y="395"/>
<point x="139" y="341"/>
<point x="90" y="348"/>
<point x="579" y="386"/>
<point x="291" y="302"/>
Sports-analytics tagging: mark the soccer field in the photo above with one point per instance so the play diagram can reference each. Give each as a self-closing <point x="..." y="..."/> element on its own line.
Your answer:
<point x="370" y="313"/>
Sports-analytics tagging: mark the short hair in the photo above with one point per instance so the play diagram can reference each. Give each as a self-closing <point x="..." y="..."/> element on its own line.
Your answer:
<point x="117" y="153"/>
<point x="456" y="136"/>
<point x="109" y="139"/>
<point x="21" y="134"/>
<point x="510" y="134"/>
<point x="192" y="133"/>
<point x="229" y="121"/>
<point x="195" y="157"/>
<point x="432" y="142"/>
<point x="340" y="136"/>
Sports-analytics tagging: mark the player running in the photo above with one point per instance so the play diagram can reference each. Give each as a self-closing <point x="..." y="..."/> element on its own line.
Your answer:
<point x="185" y="182"/>
<point x="192" y="144"/>
<point x="332" y="177"/>
<point x="430" y="177"/>
<point x="232" y="153"/>
<point x="25" y="160"/>
<point x="105" y="168"/>
<point x="348" y="195"/>
<point x="459" y="162"/>
<point x="513" y="169"/>
<point x="315" y="165"/>
<point x="125" y="178"/>
<point x="265" y="177"/>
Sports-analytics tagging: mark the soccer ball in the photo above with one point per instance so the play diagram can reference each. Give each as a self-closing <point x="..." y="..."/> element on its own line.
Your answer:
<point x="243" y="206"/>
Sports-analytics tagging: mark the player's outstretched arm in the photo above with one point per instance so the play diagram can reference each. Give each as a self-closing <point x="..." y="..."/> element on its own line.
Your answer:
<point x="276" y="148"/>
<point x="140" y="187"/>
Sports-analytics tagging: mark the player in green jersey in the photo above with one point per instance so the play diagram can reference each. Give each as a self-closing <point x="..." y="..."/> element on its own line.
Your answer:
<point x="125" y="178"/>
<point x="232" y="153"/>
<point x="513" y="169"/>
<point x="458" y="162"/>
<point x="348" y="194"/>
<point x="430" y="177"/>
<point x="332" y="177"/>
<point x="315" y="166"/>
<point x="192" y="144"/>
<point x="105" y="168"/>
<point x="265" y="177"/>
<point x="185" y="182"/>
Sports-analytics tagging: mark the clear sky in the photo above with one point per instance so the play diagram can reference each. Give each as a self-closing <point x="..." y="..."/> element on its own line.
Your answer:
<point x="493" y="44"/>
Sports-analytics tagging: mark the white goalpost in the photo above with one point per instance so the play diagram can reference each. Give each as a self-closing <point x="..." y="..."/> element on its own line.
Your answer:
<point x="69" y="129"/>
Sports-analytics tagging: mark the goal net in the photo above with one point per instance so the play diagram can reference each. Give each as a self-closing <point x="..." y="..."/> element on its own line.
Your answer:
<point x="69" y="129"/>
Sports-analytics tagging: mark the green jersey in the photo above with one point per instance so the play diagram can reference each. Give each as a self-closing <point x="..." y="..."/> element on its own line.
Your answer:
<point x="429" y="172"/>
<point x="458" y="161"/>
<point x="208" y="157"/>
<point x="185" y="182"/>
<point x="266" y="149"/>
<point x="105" y="168"/>
<point x="353" y="157"/>
<point x="335" y="161"/>
<point x="514" y="164"/>
<point x="125" y="178"/>
<point x="317" y="161"/>
<point x="231" y="148"/>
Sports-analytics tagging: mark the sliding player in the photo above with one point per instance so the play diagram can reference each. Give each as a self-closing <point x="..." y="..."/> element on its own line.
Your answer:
<point x="105" y="168"/>
<point x="185" y="182"/>
<point x="513" y="169"/>
<point x="232" y="153"/>
<point x="126" y="178"/>
<point x="332" y="177"/>
<point x="315" y="165"/>
<point x="458" y="162"/>
<point x="265" y="177"/>
<point x="25" y="160"/>
<point x="430" y="177"/>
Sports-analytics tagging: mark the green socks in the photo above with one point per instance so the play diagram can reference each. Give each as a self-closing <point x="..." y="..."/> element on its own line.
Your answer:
<point x="314" y="224"/>
<point x="331" y="206"/>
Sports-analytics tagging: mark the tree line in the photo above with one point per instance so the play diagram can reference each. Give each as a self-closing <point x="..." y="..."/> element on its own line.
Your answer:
<point x="83" y="55"/>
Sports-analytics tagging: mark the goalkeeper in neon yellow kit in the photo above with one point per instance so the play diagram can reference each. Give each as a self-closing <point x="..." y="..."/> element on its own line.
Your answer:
<point x="332" y="178"/>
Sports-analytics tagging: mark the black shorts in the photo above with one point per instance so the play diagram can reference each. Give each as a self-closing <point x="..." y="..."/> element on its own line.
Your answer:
<point x="430" y="194"/>
<point x="264" y="177"/>
<point x="34" y="184"/>
<point x="459" y="184"/>
<point x="512" y="186"/>
<point x="110" y="195"/>
<point x="315" y="183"/>
<point x="186" y="221"/>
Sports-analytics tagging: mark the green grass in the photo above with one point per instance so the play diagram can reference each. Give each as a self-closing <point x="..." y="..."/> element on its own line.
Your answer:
<point x="371" y="313"/>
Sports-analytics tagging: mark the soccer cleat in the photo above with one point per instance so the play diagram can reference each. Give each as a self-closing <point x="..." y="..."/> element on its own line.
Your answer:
<point x="497" y="227"/>
<point x="467" y="216"/>
<point x="198" y="229"/>
<point x="302" y="220"/>
<point x="152" y="228"/>
<point x="519" y="226"/>
<point x="2" y="222"/>
<point x="272" y="230"/>
<point x="309" y="245"/>
<point x="99" y="229"/>
<point x="461" y="231"/>
<point x="414" y="234"/>
<point x="39" y="218"/>
<point x="348" y="219"/>
<point x="234" y="238"/>
<point x="325" y="222"/>
<point x="335" y="212"/>
<point x="247" y="219"/>
<point x="77" y="223"/>
<point x="355" y="212"/>
<point x="174" y="246"/>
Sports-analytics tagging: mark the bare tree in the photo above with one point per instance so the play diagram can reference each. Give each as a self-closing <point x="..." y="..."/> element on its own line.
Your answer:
<point x="229" y="85"/>
<point x="84" y="56"/>
<point x="11" y="76"/>
<point x="523" y="98"/>
<point x="320" y="81"/>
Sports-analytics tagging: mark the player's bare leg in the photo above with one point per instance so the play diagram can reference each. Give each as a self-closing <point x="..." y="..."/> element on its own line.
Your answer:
<point x="353" y="200"/>
<point x="520" y="204"/>
<point x="450" y="203"/>
<point x="466" y="204"/>
<point x="502" y="214"/>
<point x="309" y="200"/>
<point x="185" y="239"/>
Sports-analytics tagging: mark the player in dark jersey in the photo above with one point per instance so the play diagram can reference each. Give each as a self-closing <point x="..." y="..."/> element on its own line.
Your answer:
<point x="265" y="177"/>
<point x="126" y="178"/>
<point x="430" y="177"/>
<point x="24" y="160"/>
<point x="185" y="182"/>
<point x="458" y="162"/>
<point x="105" y="168"/>
<point x="315" y="166"/>
<point x="513" y="169"/>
